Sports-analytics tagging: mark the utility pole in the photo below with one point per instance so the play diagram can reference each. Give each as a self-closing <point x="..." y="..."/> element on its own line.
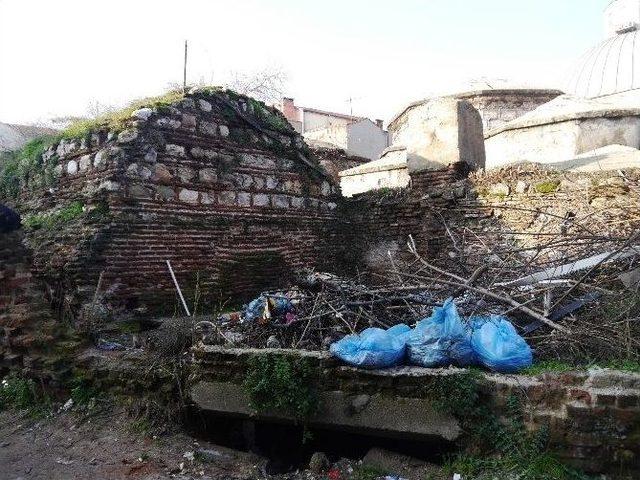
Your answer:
<point x="184" y="77"/>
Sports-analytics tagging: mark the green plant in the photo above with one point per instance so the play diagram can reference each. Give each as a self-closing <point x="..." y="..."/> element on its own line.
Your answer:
<point x="82" y="392"/>
<point x="22" y="394"/>
<point x="548" y="186"/>
<point x="554" y="366"/>
<point x="366" y="472"/>
<point x="507" y="448"/>
<point x="117" y="120"/>
<point x="54" y="218"/>
<point x="25" y="166"/>
<point x="281" y="383"/>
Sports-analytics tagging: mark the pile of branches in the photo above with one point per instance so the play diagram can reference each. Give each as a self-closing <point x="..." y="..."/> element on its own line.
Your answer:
<point x="327" y="308"/>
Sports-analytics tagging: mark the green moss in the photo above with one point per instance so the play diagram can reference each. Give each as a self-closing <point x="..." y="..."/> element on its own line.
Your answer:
<point x="283" y="384"/>
<point x="549" y="186"/>
<point x="53" y="219"/>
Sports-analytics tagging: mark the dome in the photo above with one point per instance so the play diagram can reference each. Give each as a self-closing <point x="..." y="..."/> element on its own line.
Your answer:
<point x="611" y="67"/>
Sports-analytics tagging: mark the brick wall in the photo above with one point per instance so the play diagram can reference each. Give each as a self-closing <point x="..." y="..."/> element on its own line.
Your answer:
<point x="215" y="183"/>
<point x="379" y="222"/>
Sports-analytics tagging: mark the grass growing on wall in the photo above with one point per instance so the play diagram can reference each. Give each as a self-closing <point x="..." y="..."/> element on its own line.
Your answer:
<point x="50" y="220"/>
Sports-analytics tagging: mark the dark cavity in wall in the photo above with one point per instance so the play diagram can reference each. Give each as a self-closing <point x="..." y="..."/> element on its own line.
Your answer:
<point x="290" y="447"/>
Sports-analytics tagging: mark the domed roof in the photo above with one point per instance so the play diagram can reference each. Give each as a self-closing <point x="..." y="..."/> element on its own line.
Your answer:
<point x="611" y="67"/>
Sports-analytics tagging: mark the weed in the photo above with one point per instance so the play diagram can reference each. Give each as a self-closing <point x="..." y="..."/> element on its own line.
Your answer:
<point x="24" y="166"/>
<point x="52" y="219"/>
<point x="283" y="384"/>
<point x="22" y="394"/>
<point x="116" y="121"/>
<point x="366" y="472"/>
<point x="548" y="186"/>
<point x="82" y="392"/>
<point x="554" y="366"/>
<point x="508" y="448"/>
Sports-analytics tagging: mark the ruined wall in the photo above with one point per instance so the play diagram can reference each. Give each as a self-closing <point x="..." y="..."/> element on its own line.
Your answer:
<point x="591" y="417"/>
<point x="217" y="184"/>
<point x="379" y="222"/>
<point x="26" y="322"/>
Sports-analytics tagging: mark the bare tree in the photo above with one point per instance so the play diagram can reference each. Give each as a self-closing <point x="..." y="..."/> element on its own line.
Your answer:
<point x="267" y="84"/>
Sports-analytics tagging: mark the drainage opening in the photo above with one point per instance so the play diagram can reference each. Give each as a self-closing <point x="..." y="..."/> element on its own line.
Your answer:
<point x="290" y="447"/>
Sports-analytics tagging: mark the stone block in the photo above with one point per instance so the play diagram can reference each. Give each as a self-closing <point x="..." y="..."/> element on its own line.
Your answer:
<point x="244" y="199"/>
<point x="85" y="163"/>
<point x="260" y="200"/>
<point x="151" y="155"/>
<point x="127" y="136"/>
<point x="72" y="167"/>
<point x="188" y="196"/>
<point x="227" y="198"/>
<point x="297" y="202"/>
<point x="440" y="132"/>
<point x="208" y="175"/>
<point x="166" y="122"/>
<point x="161" y="174"/>
<point x="208" y="128"/>
<point x="165" y="193"/>
<point x="138" y="191"/>
<point x="204" y="105"/>
<point x="186" y="174"/>
<point x="206" y="199"/>
<point x="257" y="161"/>
<point x="280" y="201"/>
<point x="174" y="150"/>
<point x="271" y="182"/>
<point x="188" y="121"/>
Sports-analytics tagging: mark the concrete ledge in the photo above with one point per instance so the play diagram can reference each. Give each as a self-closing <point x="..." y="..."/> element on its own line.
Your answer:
<point x="383" y="415"/>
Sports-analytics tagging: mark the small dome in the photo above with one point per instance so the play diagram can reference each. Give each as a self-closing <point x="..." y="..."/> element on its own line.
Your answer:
<point x="611" y="67"/>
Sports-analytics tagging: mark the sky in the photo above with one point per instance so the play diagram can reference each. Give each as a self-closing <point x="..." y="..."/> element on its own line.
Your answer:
<point x="59" y="57"/>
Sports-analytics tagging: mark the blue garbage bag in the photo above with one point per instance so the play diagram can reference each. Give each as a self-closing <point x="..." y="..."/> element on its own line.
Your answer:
<point x="258" y="308"/>
<point x="373" y="348"/>
<point x="498" y="346"/>
<point x="442" y="339"/>
<point x="254" y="311"/>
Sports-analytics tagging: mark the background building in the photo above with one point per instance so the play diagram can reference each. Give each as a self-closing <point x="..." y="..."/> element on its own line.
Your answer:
<point x="357" y="136"/>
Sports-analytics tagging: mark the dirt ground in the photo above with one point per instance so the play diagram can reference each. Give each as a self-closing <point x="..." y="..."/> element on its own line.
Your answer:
<point x="102" y="446"/>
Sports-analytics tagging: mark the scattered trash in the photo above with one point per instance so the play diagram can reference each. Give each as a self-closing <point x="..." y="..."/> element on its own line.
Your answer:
<point x="110" y="346"/>
<point x="498" y="346"/>
<point x="373" y="348"/>
<point x="266" y="307"/>
<point x="440" y="340"/>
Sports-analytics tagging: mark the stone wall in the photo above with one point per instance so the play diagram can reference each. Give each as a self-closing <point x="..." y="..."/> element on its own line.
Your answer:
<point x="592" y="417"/>
<point x="217" y="184"/>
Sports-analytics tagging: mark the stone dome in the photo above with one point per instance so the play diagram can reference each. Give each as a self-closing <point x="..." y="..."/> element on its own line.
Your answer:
<point x="611" y="67"/>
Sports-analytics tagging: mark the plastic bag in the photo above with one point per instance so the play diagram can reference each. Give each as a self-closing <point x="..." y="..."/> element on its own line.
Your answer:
<point x="373" y="348"/>
<point x="441" y="339"/>
<point x="264" y="308"/>
<point x="498" y="346"/>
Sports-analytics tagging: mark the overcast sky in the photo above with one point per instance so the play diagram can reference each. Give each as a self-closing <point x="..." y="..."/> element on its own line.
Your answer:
<point x="56" y="57"/>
